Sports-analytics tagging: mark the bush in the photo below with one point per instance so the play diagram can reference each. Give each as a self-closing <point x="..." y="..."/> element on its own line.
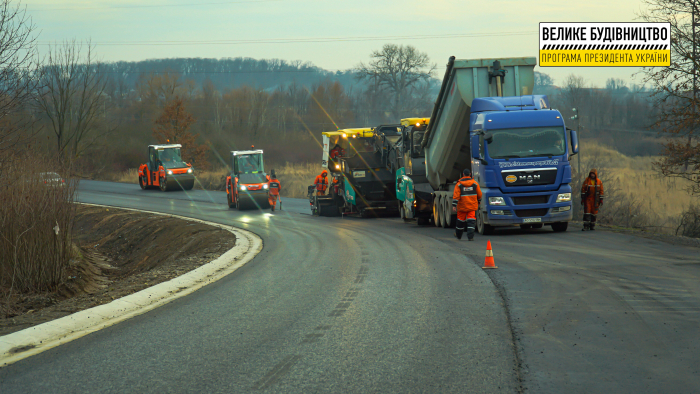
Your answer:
<point x="690" y="222"/>
<point x="36" y="220"/>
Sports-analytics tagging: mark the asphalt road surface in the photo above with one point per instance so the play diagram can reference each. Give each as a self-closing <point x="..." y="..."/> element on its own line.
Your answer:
<point x="378" y="305"/>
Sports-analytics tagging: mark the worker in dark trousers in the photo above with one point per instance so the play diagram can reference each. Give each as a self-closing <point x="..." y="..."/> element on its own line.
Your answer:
<point x="321" y="183"/>
<point x="465" y="201"/>
<point x="591" y="199"/>
<point x="274" y="188"/>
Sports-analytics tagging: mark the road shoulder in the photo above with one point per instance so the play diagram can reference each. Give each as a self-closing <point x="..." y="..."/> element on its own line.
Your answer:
<point x="34" y="340"/>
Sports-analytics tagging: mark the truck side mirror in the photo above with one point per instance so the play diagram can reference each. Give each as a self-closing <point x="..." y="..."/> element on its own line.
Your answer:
<point x="480" y="146"/>
<point x="574" y="142"/>
<point x="488" y="137"/>
<point x="475" y="147"/>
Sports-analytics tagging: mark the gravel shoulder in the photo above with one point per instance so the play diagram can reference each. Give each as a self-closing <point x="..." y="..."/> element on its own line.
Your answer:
<point x="121" y="252"/>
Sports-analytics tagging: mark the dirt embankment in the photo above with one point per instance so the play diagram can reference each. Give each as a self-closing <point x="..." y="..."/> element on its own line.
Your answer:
<point x="119" y="252"/>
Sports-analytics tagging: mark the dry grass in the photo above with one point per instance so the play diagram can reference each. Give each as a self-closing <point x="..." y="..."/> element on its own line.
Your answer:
<point x="129" y="176"/>
<point x="36" y="221"/>
<point x="652" y="201"/>
<point x="295" y="178"/>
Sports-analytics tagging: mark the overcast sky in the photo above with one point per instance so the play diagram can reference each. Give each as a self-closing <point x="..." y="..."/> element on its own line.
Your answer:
<point x="334" y="35"/>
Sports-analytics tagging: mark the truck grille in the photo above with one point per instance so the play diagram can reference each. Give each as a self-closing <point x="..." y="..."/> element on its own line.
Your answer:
<point x="525" y="177"/>
<point x="530" y="200"/>
<point x="524" y="213"/>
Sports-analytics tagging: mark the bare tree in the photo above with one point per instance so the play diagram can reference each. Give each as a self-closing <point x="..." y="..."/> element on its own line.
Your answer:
<point x="399" y="69"/>
<point x="676" y="90"/>
<point x="160" y="88"/>
<point x="18" y="75"/>
<point x="73" y="97"/>
<point x="543" y="80"/>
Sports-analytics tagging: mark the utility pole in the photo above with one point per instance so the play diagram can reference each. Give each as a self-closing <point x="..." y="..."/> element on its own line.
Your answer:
<point x="695" y="74"/>
<point x="578" y="130"/>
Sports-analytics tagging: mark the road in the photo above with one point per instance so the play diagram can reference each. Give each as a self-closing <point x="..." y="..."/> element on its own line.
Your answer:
<point x="378" y="305"/>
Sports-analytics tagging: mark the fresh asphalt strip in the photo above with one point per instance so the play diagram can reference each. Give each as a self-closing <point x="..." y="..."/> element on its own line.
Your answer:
<point x="34" y="340"/>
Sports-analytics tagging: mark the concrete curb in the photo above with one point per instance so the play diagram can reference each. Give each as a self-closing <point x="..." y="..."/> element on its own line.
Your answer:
<point x="34" y="340"/>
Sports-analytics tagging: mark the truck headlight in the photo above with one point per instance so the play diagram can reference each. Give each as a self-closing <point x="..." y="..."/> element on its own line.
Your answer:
<point x="242" y="187"/>
<point x="170" y="172"/>
<point x="265" y="186"/>
<point x="496" y="201"/>
<point x="189" y="170"/>
<point x="494" y="212"/>
<point x="564" y="197"/>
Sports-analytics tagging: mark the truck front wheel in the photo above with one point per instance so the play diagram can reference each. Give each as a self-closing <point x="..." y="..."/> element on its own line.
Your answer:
<point x="481" y="227"/>
<point x="560" y="226"/>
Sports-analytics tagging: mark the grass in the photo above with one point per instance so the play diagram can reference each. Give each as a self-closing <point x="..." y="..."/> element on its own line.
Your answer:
<point x="295" y="178"/>
<point x="663" y="200"/>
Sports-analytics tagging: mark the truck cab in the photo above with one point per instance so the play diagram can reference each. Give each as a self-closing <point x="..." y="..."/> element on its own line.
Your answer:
<point x="520" y="158"/>
<point x="247" y="186"/>
<point x="411" y="170"/>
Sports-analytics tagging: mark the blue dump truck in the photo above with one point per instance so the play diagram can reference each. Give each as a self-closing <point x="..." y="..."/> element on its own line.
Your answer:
<point x="518" y="148"/>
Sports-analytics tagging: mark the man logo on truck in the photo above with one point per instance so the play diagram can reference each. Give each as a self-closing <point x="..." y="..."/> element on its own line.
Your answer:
<point x="529" y="178"/>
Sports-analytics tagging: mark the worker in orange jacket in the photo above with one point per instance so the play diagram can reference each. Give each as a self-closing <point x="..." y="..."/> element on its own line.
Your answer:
<point x="274" y="188"/>
<point x="321" y="183"/>
<point x="591" y="199"/>
<point x="465" y="201"/>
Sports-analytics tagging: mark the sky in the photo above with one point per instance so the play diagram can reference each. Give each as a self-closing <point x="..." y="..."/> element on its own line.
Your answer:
<point x="334" y="35"/>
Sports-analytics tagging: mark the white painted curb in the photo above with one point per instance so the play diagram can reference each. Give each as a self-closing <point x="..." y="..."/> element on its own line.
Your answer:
<point x="57" y="332"/>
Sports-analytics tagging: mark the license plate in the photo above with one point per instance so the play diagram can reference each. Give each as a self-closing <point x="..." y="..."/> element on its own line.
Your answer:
<point x="358" y="174"/>
<point x="532" y="220"/>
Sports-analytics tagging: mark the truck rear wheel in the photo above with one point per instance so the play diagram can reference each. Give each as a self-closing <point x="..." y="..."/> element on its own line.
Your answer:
<point x="163" y="184"/>
<point x="436" y="211"/>
<point x="142" y="183"/>
<point x="448" y="219"/>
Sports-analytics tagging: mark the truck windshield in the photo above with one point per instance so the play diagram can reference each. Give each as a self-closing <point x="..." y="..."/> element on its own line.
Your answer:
<point x="527" y="142"/>
<point x="361" y="145"/>
<point x="250" y="164"/>
<point x="417" y="140"/>
<point x="170" y="158"/>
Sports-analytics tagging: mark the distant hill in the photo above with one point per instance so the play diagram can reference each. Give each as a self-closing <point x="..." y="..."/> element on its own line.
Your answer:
<point x="233" y="72"/>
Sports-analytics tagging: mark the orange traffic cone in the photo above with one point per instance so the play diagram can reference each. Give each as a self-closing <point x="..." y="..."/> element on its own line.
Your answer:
<point x="489" y="263"/>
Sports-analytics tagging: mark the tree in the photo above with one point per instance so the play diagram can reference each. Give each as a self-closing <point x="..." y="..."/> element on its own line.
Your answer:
<point x="330" y="108"/>
<point x="399" y="69"/>
<point x="18" y="71"/>
<point x="172" y="127"/>
<point x="543" y="80"/>
<point x="675" y="90"/>
<point x="72" y="96"/>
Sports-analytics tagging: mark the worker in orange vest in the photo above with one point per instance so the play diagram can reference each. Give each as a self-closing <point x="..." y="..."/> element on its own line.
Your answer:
<point x="274" y="188"/>
<point x="321" y="183"/>
<point x="465" y="201"/>
<point x="591" y="199"/>
<point x="337" y="151"/>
